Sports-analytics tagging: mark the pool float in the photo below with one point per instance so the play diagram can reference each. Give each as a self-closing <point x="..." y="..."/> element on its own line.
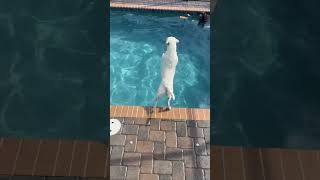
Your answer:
<point x="115" y="126"/>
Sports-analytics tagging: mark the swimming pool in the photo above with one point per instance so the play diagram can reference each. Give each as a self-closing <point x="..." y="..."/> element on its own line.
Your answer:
<point x="137" y="41"/>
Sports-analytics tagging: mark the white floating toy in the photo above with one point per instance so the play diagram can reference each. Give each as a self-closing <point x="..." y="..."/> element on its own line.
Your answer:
<point x="115" y="126"/>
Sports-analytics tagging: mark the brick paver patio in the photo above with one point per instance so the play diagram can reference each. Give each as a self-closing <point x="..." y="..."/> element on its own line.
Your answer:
<point x="160" y="150"/>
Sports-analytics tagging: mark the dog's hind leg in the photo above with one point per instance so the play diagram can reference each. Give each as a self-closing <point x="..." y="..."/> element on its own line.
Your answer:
<point x="161" y="92"/>
<point x="169" y="99"/>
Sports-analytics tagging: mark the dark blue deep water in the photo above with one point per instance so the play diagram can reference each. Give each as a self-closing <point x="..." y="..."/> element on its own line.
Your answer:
<point x="52" y="69"/>
<point x="266" y="73"/>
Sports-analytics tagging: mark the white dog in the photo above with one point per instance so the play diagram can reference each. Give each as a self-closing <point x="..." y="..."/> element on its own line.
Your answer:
<point x="168" y="69"/>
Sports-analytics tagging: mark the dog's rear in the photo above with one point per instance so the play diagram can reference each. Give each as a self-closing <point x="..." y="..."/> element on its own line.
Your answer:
<point x="168" y="69"/>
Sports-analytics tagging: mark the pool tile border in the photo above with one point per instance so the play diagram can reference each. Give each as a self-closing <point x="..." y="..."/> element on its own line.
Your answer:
<point x="142" y="112"/>
<point x="179" y="8"/>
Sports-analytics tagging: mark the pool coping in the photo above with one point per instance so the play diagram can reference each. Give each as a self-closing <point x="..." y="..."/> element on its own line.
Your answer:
<point x="144" y="112"/>
<point x="193" y="9"/>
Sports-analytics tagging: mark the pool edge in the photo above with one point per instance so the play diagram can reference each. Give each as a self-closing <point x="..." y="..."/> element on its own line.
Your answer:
<point x="158" y="8"/>
<point x="143" y="112"/>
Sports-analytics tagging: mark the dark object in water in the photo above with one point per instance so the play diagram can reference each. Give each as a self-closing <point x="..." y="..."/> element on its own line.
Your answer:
<point x="203" y="19"/>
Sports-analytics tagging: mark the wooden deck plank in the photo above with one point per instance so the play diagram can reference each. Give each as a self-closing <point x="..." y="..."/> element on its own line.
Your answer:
<point x="252" y="164"/>
<point x="63" y="160"/>
<point x="79" y="158"/>
<point x="107" y="166"/>
<point x="217" y="163"/>
<point x="47" y="156"/>
<point x="96" y="160"/>
<point x="8" y="153"/>
<point x="272" y="164"/>
<point x="27" y="157"/>
<point x="233" y="163"/>
<point x="291" y="166"/>
<point x="26" y="177"/>
<point x="1" y="142"/>
<point x="310" y="163"/>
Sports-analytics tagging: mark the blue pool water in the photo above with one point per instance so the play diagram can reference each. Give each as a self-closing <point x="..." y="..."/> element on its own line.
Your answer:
<point x="137" y="41"/>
